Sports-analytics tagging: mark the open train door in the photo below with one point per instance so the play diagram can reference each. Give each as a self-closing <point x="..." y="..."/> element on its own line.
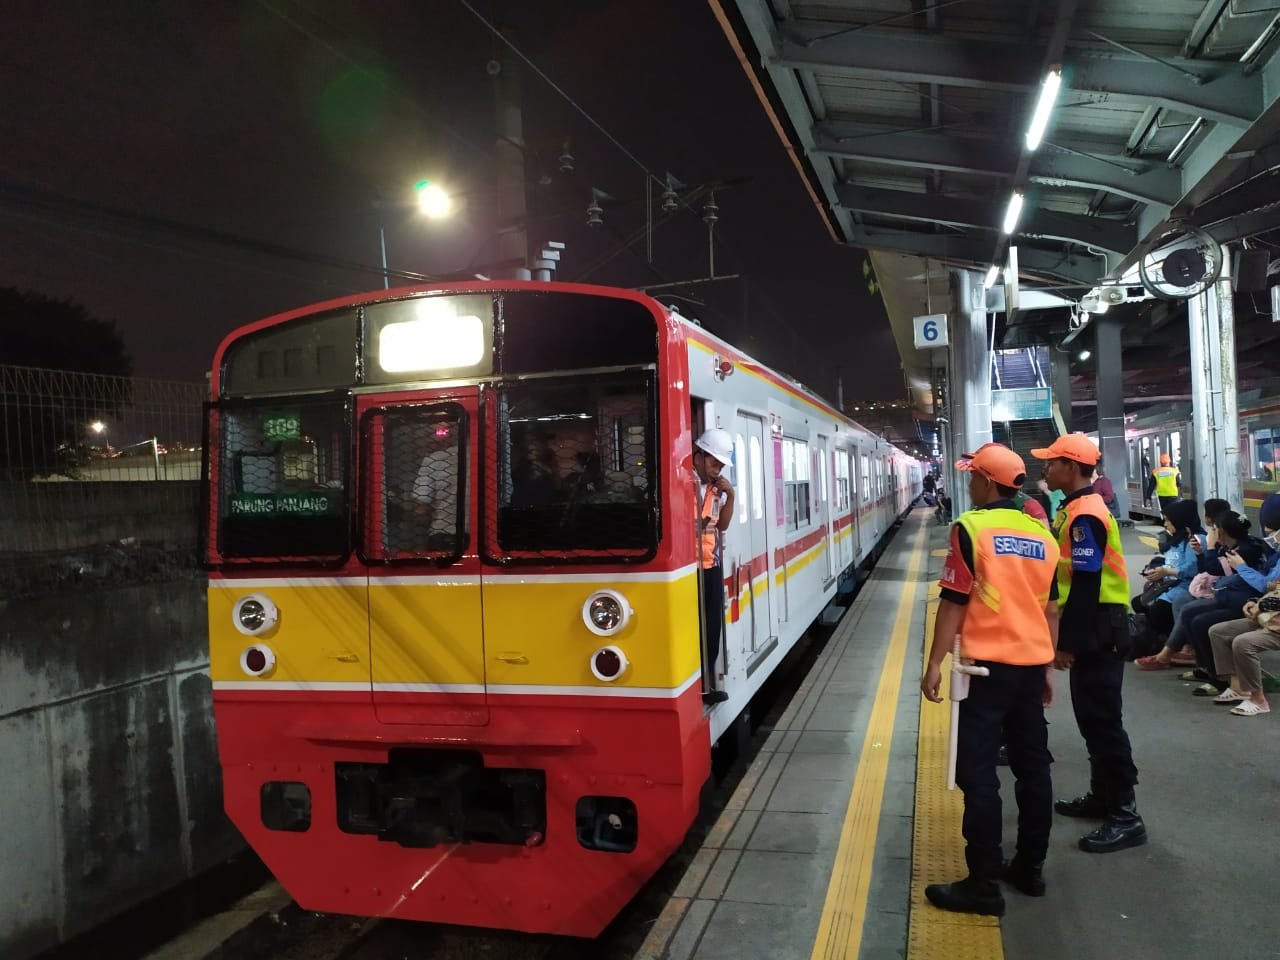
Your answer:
<point x="752" y="571"/>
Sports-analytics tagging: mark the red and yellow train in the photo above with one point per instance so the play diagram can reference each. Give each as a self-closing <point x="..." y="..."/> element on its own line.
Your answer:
<point x="453" y="594"/>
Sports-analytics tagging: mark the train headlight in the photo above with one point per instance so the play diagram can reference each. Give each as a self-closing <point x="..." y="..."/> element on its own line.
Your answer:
<point x="609" y="663"/>
<point x="254" y="614"/>
<point x="606" y="612"/>
<point x="257" y="660"/>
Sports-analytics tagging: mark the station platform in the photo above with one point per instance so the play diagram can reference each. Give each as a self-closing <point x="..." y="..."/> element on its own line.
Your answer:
<point x="826" y="846"/>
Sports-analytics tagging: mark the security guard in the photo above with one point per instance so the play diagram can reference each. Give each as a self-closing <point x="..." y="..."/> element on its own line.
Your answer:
<point x="1093" y="589"/>
<point x="998" y="595"/>
<point x="1167" y="477"/>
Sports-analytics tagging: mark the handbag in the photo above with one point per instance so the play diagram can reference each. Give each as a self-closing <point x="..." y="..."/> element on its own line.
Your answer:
<point x="1202" y="586"/>
<point x="1153" y="591"/>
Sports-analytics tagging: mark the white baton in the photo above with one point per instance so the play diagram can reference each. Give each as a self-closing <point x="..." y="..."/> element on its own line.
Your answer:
<point x="960" y="674"/>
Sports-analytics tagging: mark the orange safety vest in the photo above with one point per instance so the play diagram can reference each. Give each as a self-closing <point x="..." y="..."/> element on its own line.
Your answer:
<point x="709" y="540"/>
<point x="1014" y="560"/>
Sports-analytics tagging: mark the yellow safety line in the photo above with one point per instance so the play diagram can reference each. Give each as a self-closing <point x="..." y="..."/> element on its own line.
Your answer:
<point x="937" y="854"/>
<point x="1151" y="542"/>
<point x="840" y="929"/>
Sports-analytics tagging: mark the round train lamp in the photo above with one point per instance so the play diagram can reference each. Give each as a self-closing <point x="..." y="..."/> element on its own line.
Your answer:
<point x="609" y="663"/>
<point x="606" y="612"/>
<point x="257" y="660"/>
<point x="254" y="615"/>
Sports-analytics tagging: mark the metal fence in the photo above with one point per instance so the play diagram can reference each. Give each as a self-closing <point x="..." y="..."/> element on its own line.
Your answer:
<point x="99" y="478"/>
<point x="59" y="425"/>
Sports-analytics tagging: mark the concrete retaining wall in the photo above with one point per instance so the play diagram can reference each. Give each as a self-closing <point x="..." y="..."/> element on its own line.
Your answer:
<point x="109" y="781"/>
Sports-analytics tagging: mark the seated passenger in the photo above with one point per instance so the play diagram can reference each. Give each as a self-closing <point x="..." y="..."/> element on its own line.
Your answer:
<point x="1231" y="532"/>
<point x="1182" y="524"/>
<point x="1237" y="646"/>
<point x="1244" y="583"/>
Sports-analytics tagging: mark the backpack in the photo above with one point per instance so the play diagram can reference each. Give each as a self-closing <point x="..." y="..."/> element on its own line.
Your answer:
<point x="1143" y="641"/>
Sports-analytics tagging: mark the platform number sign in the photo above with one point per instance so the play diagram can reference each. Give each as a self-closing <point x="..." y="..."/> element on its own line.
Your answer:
<point x="931" y="331"/>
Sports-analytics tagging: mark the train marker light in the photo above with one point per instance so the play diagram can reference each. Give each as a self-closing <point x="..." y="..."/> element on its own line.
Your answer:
<point x="254" y="614"/>
<point x="609" y="663"/>
<point x="606" y="612"/>
<point x="257" y="660"/>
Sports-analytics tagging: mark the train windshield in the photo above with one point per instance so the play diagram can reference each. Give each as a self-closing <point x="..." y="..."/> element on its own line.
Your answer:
<point x="575" y="477"/>
<point x="283" y="471"/>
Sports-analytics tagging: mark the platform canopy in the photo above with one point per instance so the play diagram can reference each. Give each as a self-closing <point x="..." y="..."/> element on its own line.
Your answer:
<point x="907" y="122"/>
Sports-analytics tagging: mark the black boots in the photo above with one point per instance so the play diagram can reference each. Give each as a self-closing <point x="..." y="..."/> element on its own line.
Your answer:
<point x="1091" y="806"/>
<point x="969" y="895"/>
<point x="1122" y="828"/>
<point x="1024" y="877"/>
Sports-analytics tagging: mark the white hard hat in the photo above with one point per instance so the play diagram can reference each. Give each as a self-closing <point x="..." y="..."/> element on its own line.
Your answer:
<point x="718" y="443"/>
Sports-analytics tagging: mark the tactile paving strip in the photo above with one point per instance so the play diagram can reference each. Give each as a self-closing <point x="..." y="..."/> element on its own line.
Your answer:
<point x="938" y="848"/>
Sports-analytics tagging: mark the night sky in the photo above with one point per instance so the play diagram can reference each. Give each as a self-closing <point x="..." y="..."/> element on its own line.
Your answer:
<point x="176" y="150"/>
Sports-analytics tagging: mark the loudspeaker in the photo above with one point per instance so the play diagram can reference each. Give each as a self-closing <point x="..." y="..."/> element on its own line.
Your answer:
<point x="1249" y="271"/>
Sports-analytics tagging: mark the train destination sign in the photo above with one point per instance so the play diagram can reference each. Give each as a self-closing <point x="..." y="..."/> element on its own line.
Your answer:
<point x="312" y="503"/>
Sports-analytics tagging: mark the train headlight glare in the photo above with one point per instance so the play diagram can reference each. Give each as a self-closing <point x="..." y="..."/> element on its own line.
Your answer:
<point x="254" y="614"/>
<point x="606" y="612"/>
<point x="609" y="663"/>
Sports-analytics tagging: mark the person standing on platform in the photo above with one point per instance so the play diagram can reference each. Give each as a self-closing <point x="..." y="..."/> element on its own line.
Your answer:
<point x="998" y="595"/>
<point x="1093" y="638"/>
<point x="1148" y="481"/>
<point x="1167" y="477"/>
<point x="713" y="451"/>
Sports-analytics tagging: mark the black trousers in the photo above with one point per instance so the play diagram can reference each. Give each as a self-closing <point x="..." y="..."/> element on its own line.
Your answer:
<point x="1006" y="706"/>
<point x="1167" y="502"/>
<point x="712" y="618"/>
<point x="1098" y="702"/>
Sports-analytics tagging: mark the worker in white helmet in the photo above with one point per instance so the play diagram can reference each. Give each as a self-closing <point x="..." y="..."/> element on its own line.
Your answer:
<point x="713" y="451"/>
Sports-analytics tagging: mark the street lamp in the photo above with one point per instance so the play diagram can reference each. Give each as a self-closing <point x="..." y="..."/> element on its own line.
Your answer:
<point x="434" y="202"/>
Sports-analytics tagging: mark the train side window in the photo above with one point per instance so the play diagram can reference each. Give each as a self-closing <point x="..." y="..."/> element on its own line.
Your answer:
<point x="795" y="479"/>
<point x="757" y="479"/>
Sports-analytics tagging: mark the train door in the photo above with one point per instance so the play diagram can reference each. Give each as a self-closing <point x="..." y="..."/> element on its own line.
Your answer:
<point x="826" y="508"/>
<point x="860" y="498"/>
<point x="426" y="629"/>
<point x="752" y="574"/>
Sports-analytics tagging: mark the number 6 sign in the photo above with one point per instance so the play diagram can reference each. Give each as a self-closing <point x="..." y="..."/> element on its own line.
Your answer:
<point x="931" y="331"/>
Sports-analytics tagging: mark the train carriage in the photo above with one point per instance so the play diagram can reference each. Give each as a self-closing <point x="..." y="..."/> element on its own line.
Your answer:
<point x="453" y="594"/>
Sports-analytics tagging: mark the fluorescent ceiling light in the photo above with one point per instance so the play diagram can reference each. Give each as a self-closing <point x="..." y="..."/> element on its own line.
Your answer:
<point x="1186" y="139"/>
<point x="1044" y="108"/>
<point x="1013" y="212"/>
<point x="992" y="273"/>
<point x="1085" y="354"/>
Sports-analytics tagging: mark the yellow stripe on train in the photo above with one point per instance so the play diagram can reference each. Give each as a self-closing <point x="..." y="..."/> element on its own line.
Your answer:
<point x="344" y="631"/>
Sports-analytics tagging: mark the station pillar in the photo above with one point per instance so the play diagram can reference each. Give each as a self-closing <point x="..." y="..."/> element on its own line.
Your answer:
<point x="1061" y="368"/>
<point x="1110" y="394"/>
<point x="970" y="378"/>
<point x="1215" y="420"/>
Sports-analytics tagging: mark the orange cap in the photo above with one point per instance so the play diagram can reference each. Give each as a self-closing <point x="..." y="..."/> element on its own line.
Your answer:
<point x="1070" y="446"/>
<point x="996" y="462"/>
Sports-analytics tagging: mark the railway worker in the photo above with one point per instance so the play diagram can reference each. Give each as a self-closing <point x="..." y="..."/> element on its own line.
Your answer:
<point x="1167" y="480"/>
<point x="998" y="595"/>
<point x="1093" y="591"/>
<point x="713" y="451"/>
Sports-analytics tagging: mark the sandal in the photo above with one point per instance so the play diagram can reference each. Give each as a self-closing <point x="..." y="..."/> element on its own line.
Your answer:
<point x="1152" y="662"/>
<point x="1247" y="708"/>
<point x="1189" y="675"/>
<point x="1206" y="690"/>
<point x="1230" y="696"/>
<point x="1183" y="659"/>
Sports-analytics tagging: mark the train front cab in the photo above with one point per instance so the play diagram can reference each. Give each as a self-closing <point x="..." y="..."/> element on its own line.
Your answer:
<point x="452" y="604"/>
